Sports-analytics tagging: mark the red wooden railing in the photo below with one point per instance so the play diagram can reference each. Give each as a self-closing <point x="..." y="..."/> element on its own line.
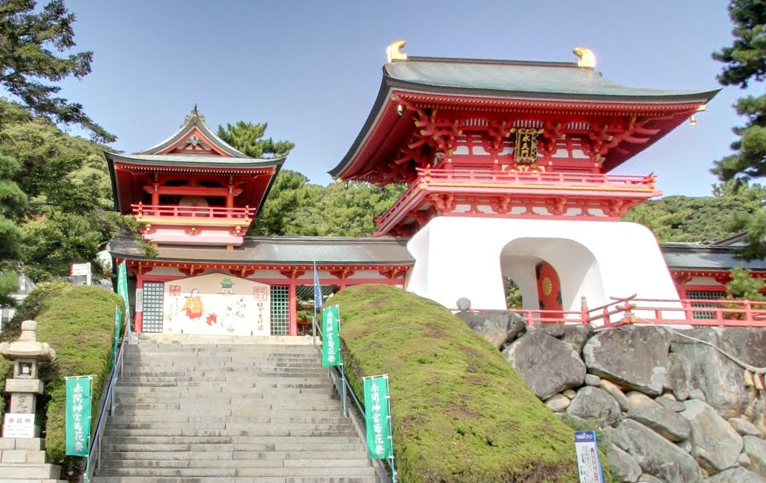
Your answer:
<point x="558" y="180"/>
<point x="632" y="310"/>
<point x="170" y="211"/>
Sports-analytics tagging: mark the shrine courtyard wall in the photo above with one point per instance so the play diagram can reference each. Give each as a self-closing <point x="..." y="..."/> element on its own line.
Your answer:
<point x="460" y="412"/>
<point x="78" y="323"/>
<point x="676" y="405"/>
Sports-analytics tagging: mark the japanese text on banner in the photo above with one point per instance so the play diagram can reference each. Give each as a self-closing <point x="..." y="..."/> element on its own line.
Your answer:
<point x="78" y="415"/>
<point x="376" y="410"/>
<point x="331" y="336"/>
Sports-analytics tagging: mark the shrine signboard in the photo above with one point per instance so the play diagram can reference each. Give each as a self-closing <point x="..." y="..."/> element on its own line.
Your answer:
<point x="19" y="425"/>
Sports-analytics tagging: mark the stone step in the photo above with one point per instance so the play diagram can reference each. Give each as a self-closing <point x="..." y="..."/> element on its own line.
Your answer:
<point x="22" y="456"/>
<point x="225" y="445"/>
<point x="250" y="426"/>
<point x="30" y="480"/>
<point x="236" y="479"/>
<point x="339" y="471"/>
<point x="340" y="454"/>
<point x="234" y="431"/>
<point x="231" y="463"/>
<point x="30" y="471"/>
<point x="276" y="418"/>
<point x="191" y="339"/>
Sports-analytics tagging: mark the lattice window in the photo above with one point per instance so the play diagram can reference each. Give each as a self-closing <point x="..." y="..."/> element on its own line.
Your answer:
<point x="153" y="301"/>
<point x="704" y="295"/>
<point x="280" y="310"/>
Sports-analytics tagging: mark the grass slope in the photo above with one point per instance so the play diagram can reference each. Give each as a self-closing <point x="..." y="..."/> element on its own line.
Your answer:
<point x="461" y="414"/>
<point x="78" y="322"/>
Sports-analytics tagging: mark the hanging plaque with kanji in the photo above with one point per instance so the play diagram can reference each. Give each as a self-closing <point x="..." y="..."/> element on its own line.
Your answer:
<point x="525" y="151"/>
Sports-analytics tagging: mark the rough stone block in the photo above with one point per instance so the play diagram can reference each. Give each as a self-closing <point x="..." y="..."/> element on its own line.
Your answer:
<point x="633" y="357"/>
<point x="547" y="365"/>
<point x="656" y="455"/>
<point x="715" y="444"/>
<point x="594" y="404"/>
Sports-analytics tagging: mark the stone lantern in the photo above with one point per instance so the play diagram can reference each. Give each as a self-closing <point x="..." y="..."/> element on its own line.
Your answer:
<point x="25" y="385"/>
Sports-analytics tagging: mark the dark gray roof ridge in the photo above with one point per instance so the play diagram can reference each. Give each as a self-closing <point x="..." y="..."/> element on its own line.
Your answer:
<point x="194" y="119"/>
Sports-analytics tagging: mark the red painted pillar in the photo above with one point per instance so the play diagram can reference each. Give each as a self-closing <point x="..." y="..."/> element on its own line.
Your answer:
<point x="138" y="323"/>
<point x="292" y="298"/>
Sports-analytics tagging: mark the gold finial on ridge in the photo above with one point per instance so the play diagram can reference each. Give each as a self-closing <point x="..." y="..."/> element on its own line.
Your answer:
<point x="587" y="57"/>
<point x="393" y="51"/>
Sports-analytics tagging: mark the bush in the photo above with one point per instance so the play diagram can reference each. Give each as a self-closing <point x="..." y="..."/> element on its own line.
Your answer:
<point x="461" y="414"/>
<point x="78" y="322"/>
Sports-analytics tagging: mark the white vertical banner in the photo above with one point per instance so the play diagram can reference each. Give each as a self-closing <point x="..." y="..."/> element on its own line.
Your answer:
<point x="139" y="300"/>
<point x="588" y="463"/>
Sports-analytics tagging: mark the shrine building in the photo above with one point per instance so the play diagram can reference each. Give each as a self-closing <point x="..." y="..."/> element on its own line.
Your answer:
<point x="195" y="197"/>
<point x="508" y="166"/>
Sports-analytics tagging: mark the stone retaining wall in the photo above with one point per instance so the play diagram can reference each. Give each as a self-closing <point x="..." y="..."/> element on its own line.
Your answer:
<point x="673" y="408"/>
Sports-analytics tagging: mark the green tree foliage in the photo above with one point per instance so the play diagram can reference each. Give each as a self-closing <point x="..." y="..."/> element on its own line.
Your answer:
<point x="701" y="219"/>
<point x="68" y="218"/>
<point x="743" y="286"/>
<point x="291" y="193"/>
<point x="29" y="38"/>
<point x="296" y="207"/>
<point x="248" y="138"/>
<point x="13" y="203"/>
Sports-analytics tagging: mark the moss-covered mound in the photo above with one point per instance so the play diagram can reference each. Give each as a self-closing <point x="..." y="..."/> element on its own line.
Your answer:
<point x="460" y="412"/>
<point x="78" y="322"/>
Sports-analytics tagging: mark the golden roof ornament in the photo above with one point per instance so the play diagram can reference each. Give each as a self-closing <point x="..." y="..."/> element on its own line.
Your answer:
<point x="393" y="51"/>
<point x="587" y="57"/>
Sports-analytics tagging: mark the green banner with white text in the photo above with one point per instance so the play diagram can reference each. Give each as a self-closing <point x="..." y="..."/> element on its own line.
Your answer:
<point x="117" y="333"/>
<point x="378" y="418"/>
<point x="331" y="336"/>
<point x="78" y="415"/>
<point x="122" y="289"/>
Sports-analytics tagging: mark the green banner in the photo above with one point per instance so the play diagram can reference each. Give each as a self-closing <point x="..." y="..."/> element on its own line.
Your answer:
<point x="122" y="289"/>
<point x="117" y="333"/>
<point x="78" y="414"/>
<point x="331" y="336"/>
<point x="376" y="412"/>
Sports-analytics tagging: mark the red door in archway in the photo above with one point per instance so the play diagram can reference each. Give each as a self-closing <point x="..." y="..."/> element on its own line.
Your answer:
<point x="548" y="287"/>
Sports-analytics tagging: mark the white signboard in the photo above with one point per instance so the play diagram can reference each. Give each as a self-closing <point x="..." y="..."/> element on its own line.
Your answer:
<point x="19" y="425"/>
<point x="217" y="304"/>
<point x="587" y="457"/>
<point x="81" y="270"/>
<point x="139" y="300"/>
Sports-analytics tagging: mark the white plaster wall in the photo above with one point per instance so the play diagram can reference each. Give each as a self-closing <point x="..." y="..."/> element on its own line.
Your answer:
<point x="521" y="269"/>
<point x="461" y="257"/>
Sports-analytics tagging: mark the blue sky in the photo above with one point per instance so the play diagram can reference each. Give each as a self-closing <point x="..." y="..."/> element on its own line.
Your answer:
<point x="312" y="69"/>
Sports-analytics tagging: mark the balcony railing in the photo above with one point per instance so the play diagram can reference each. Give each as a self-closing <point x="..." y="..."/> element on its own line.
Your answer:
<point x="436" y="178"/>
<point x="215" y="212"/>
<point x="631" y="310"/>
<point x="558" y="179"/>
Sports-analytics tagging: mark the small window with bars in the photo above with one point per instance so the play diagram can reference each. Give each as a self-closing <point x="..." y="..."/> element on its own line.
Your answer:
<point x="704" y="295"/>
<point x="280" y="310"/>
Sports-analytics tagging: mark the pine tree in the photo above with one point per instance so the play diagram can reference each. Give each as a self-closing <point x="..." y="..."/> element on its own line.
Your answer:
<point x="745" y="63"/>
<point x="28" y="39"/>
<point x="247" y="138"/>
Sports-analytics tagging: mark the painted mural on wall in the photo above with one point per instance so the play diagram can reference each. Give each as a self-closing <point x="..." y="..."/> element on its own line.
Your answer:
<point x="217" y="304"/>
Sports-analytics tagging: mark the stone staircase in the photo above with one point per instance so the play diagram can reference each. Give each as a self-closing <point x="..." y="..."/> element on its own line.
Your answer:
<point x="24" y="461"/>
<point x="199" y="409"/>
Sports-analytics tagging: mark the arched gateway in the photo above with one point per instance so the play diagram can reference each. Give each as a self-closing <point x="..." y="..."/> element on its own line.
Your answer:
<point x="510" y="161"/>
